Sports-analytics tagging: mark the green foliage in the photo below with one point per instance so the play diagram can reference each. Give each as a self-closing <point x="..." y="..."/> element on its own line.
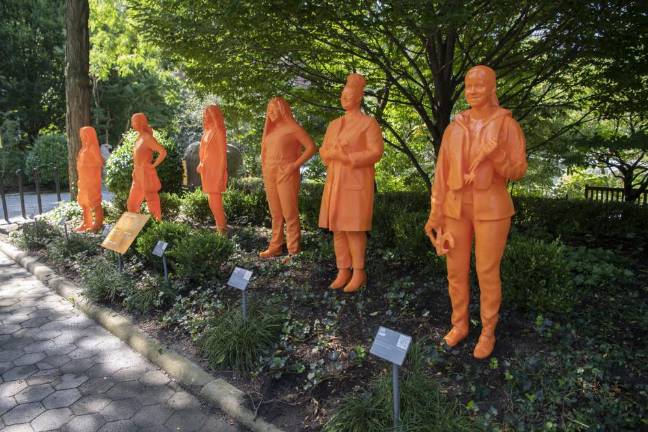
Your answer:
<point x="170" y="203"/>
<point x="74" y="249"/>
<point x="35" y="235"/>
<point x="11" y="156"/>
<point x="246" y="208"/>
<point x="170" y="232"/>
<point x="232" y="343"/>
<point x="592" y="270"/>
<point x="119" y="167"/>
<point x="199" y="256"/>
<point x="48" y="154"/>
<point x="102" y="281"/>
<point x="194" y="207"/>
<point x="148" y="294"/>
<point x="423" y="406"/>
<point x="572" y="186"/>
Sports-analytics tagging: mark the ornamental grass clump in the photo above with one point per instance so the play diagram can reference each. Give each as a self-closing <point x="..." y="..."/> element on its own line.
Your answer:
<point x="233" y="343"/>
<point x="103" y="282"/>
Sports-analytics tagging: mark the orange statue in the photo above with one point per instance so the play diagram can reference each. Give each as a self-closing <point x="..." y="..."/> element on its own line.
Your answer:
<point x="146" y="183"/>
<point x="89" y="165"/>
<point x="281" y="156"/>
<point x="213" y="163"/>
<point x="352" y="145"/>
<point x="482" y="149"/>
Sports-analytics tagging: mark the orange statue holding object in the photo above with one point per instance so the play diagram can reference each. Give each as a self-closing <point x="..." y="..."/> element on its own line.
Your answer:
<point x="213" y="163"/>
<point x="146" y="183"/>
<point x="352" y="145"/>
<point x="482" y="149"/>
<point x="89" y="165"/>
<point x="281" y="156"/>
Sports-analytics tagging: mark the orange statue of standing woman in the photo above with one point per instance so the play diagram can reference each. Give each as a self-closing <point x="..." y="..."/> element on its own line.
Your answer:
<point x="352" y="145"/>
<point x="89" y="165"/>
<point x="481" y="150"/>
<point x="281" y="156"/>
<point x="213" y="163"/>
<point x="146" y="183"/>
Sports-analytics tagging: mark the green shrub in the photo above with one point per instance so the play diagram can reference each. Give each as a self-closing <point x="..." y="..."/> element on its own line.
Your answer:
<point x="594" y="270"/>
<point x="199" y="256"/>
<point x="69" y="210"/>
<point x="231" y="342"/>
<point x="48" y="154"/>
<point x="409" y="237"/>
<point x="246" y="207"/>
<point x="12" y="158"/>
<point x="170" y="205"/>
<point x="119" y="167"/>
<point x="34" y="235"/>
<point x="103" y="282"/>
<point x="194" y="208"/>
<point x="60" y="251"/>
<point x="148" y="293"/>
<point x="423" y="406"/>
<point x="170" y="232"/>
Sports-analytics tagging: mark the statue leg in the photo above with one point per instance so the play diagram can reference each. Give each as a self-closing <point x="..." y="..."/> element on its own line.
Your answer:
<point x="135" y="199"/>
<point x="274" y="204"/>
<point x="98" y="218"/>
<point x="458" y="263"/>
<point x="342" y="259"/>
<point x="87" y="220"/>
<point x="490" y="241"/>
<point x="216" y="206"/>
<point x="154" y="206"/>
<point x="288" y="192"/>
<point x="357" y="245"/>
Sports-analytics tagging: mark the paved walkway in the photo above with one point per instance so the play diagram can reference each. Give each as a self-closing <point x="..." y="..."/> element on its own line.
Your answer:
<point x="60" y="370"/>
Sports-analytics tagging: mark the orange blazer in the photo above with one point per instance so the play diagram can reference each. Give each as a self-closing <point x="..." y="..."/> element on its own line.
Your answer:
<point x="347" y="200"/>
<point x="491" y="200"/>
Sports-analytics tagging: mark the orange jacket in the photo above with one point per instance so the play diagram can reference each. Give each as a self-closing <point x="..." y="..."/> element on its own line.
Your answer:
<point x="491" y="200"/>
<point x="347" y="201"/>
<point x="213" y="160"/>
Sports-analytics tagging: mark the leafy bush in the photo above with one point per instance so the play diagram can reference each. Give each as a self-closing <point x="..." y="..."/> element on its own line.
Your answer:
<point x="12" y="157"/>
<point x="170" y="232"/>
<point x="246" y="208"/>
<point x="103" y="282"/>
<point x="68" y="209"/>
<point x="119" y="167"/>
<point x="410" y="239"/>
<point x="60" y="251"/>
<point x="147" y="294"/>
<point x="199" y="256"/>
<point x="194" y="207"/>
<point x="231" y="342"/>
<point x="35" y="235"/>
<point x="48" y="154"/>
<point x="593" y="269"/>
<point x="170" y="205"/>
<point x="423" y="406"/>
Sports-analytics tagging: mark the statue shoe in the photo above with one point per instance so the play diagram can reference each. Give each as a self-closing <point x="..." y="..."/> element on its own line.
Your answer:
<point x="82" y="228"/>
<point x="484" y="346"/>
<point x="358" y="280"/>
<point x="454" y="336"/>
<point x="269" y="253"/>
<point x="343" y="277"/>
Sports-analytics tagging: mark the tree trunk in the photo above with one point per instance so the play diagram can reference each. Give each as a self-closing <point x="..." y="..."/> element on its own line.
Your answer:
<point x="630" y="194"/>
<point x="77" y="81"/>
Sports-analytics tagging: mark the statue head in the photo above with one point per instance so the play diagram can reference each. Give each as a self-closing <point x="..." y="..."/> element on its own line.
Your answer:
<point x="139" y="122"/>
<point x="213" y="118"/>
<point x="353" y="91"/>
<point x="88" y="136"/>
<point x="481" y="87"/>
<point x="278" y="110"/>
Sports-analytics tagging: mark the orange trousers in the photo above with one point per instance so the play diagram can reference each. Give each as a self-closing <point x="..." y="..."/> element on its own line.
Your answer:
<point x="350" y="247"/>
<point x="282" y="193"/>
<point x="490" y="241"/>
<point x="216" y="206"/>
<point x="136" y="197"/>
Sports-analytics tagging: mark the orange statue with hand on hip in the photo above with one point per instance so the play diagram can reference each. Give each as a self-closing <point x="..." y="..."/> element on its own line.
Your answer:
<point x="146" y="183"/>
<point x="281" y="157"/>
<point x="481" y="150"/>
<point x="89" y="165"/>
<point x="352" y="145"/>
<point x="213" y="163"/>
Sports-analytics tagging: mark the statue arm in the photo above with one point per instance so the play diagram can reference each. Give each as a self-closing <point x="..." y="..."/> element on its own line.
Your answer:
<point x="325" y="149"/>
<point x="307" y="143"/>
<point x="152" y="143"/>
<point x="375" y="147"/>
<point x="509" y="160"/>
<point x="439" y="185"/>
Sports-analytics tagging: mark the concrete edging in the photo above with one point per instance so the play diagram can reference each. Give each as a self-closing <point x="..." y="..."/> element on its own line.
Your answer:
<point x="217" y="391"/>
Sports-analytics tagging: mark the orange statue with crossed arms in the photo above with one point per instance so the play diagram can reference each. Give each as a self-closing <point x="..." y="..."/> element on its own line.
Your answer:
<point x="352" y="145"/>
<point x="481" y="150"/>
<point x="146" y="183"/>
<point x="89" y="164"/>
<point x="281" y="156"/>
<point x="213" y="163"/>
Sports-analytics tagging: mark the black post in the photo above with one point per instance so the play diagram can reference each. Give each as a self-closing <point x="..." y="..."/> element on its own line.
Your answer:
<point x="21" y="192"/>
<point x="38" y="196"/>
<point x="57" y="181"/>
<point x="244" y="305"/>
<point x="4" y="200"/>
<point x="166" y="269"/>
<point x="120" y="263"/>
<point x="396" y="396"/>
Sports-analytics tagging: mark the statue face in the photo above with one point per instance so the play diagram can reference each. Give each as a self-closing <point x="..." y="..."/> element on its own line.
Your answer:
<point x="479" y="90"/>
<point x="273" y="113"/>
<point x="350" y="98"/>
<point x="138" y="123"/>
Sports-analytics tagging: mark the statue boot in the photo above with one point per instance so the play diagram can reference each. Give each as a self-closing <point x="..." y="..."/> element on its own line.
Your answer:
<point x="343" y="277"/>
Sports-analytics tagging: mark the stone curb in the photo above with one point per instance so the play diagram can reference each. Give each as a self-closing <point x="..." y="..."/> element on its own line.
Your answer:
<point x="217" y="391"/>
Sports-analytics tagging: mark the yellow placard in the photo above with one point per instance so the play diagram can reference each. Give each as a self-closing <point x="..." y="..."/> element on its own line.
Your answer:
<point x="125" y="231"/>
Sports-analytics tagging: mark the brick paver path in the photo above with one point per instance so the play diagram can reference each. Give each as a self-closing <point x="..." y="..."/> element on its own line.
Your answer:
<point x="60" y="370"/>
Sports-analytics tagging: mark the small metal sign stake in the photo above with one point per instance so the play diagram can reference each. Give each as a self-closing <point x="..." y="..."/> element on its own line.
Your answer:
<point x="392" y="346"/>
<point x="63" y="222"/>
<point x="106" y="230"/>
<point x="120" y="262"/>
<point x="158" y="251"/>
<point x="240" y="279"/>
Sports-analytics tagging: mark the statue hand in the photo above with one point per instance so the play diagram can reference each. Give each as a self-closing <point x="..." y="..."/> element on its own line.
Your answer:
<point x="469" y="178"/>
<point x="199" y="169"/>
